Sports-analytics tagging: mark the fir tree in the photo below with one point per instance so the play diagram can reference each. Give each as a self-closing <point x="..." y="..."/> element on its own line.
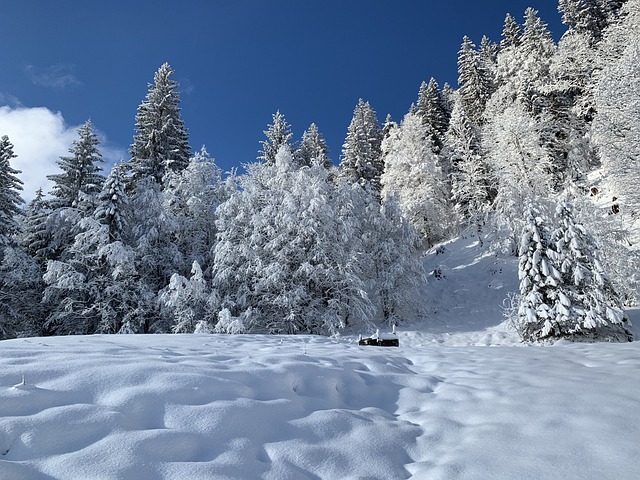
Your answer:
<point x="10" y="199"/>
<point x="313" y="149"/>
<point x="432" y="110"/>
<point x="80" y="180"/>
<point x="361" y="152"/>
<point x="475" y="81"/>
<point x="161" y="142"/>
<point x="278" y="134"/>
<point x="511" y="33"/>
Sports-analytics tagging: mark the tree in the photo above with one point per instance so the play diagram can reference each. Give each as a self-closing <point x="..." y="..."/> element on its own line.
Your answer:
<point x="475" y="81"/>
<point x="592" y="309"/>
<point x="191" y="199"/>
<point x="285" y="259"/>
<point x="161" y="142"/>
<point x="278" y="134"/>
<point x="432" y="110"/>
<point x="585" y="16"/>
<point x="564" y="292"/>
<point x="615" y="127"/>
<point x="520" y="168"/>
<point x="10" y="199"/>
<point x="511" y="33"/>
<point x="361" y="152"/>
<point x="413" y="177"/>
<point x="80" y="180"/>
<point x="183" y="302"/>
<point x="470" y="183"/>
<point x="313" y="149"/>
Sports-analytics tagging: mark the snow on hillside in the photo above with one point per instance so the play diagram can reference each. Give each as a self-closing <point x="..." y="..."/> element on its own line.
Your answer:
<point x="442" y="406"/>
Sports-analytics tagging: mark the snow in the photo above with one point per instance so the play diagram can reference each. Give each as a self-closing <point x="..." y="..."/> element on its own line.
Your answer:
<point x="459" y="399"/>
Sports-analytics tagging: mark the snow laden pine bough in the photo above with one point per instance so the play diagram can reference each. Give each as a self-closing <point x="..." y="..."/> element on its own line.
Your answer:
<point x="381" y="340"/>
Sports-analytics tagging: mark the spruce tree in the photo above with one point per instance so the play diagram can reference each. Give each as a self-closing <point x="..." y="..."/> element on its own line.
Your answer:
<point x="10" y="199"/>
<point x="161" y="142"/>
<point x="432" y="110"/>
<point x="278" y="134"/>
<point x="362" y="161"/>
<point x="511" y="33"/>
<point x="80" y="180"/>
<point x="313" y="149"/>
<point x="475" y="81"/>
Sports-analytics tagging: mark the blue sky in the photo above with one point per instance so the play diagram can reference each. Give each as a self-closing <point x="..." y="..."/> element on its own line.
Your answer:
<point x="238" y="61"/>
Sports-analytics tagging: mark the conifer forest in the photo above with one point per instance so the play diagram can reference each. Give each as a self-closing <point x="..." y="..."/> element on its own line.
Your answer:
<point x="535" y="154"/>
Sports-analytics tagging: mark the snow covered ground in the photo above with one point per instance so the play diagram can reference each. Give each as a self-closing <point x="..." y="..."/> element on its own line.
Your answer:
<point x="460" y="399"/>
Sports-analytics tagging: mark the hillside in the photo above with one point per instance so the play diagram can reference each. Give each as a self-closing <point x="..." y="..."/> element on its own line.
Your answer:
<point x="442" y="406"/>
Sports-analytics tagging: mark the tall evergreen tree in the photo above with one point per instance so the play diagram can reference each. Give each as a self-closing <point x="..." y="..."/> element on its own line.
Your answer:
<point x="80" y="180"/>
<point x="511" y="33"/>
<point x="413" y="177"/>
<point x="432" y="110"/>
<point x="278" y="134"/>
<point x="161" y="142"/>
<point x="361" y="152"/>
<point x="475" y="81"/>
<point x="10" y="199"/>
<point x="313" y="149"/>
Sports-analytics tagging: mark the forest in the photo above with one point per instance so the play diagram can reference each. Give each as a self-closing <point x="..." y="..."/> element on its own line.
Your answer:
<point x="536" y="154"/>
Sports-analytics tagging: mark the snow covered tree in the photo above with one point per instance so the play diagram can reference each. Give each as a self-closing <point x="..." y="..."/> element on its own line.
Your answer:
<point x="564" y="292"/>
<point x="361" y="152"/>
<point x="161" y="142"/>
<point x="284" y="261"/>
<point x="313" y="149"/>
<point x="589" y="307"/>
<point x="191" y="199"/>
<point x="80" y="180"/>
<point x="390" y="254"/>
<point x="183" y="303"/>
<point x="432" y="110"/>
<point x="471" y="190"/>
<point x="520" y="167"/>
<point x="475" y="81"/>
<point x="585" y="16"/>
<point x="511" y="33"/>
<point x="616" y="130"/>
<point x="540" y="280"/>
<point x="412" y="175"/>
<point x="112" y="207"/>
<point x="278" y="134"/>
<point x="10" y="199"/>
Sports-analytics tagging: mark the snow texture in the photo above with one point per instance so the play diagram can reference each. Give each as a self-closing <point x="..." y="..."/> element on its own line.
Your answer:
<point x="442" y="406"/>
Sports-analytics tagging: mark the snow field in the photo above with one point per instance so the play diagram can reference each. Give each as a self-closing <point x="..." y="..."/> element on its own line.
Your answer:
<point x="239" y="407"/>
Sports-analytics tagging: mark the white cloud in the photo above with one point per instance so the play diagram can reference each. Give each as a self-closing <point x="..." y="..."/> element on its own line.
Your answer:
<point x="40" y="137"/>
<point x="55" y="76"/>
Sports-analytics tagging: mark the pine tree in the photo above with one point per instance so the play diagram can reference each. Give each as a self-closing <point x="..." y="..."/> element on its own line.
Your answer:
<point x="589" y="307"/>
<point x="10" y="199"/>
<point x="475" y="81"/>
<point x="161" y="142"/>
<point x="361" y="152"/>
<point x="313" y="149"/>
<point x="278" y="134"/>
<point x="80" y="180"/>
<point x="511" y="33"/>
<point x="432" y="110"/>
<point x="183" y="302"/>
<point x="470" y="183"/>
<point x="585" y="16"/>
<point x="540" y="280"/>
<point x="112" y="207"/>
<point x="412" y="176"/>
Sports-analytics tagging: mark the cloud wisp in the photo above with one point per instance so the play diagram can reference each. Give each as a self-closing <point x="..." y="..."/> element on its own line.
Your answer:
<point x="58" y="76"/>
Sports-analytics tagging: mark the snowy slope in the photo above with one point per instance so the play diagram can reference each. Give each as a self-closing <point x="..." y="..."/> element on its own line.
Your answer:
<point x="442" y="406"/>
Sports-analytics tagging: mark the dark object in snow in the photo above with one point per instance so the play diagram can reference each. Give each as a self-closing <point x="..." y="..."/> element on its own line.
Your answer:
<point x="384" y="340"/>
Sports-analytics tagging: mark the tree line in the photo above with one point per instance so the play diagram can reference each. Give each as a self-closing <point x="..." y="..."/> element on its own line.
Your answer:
<point x="167" y="243"/>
